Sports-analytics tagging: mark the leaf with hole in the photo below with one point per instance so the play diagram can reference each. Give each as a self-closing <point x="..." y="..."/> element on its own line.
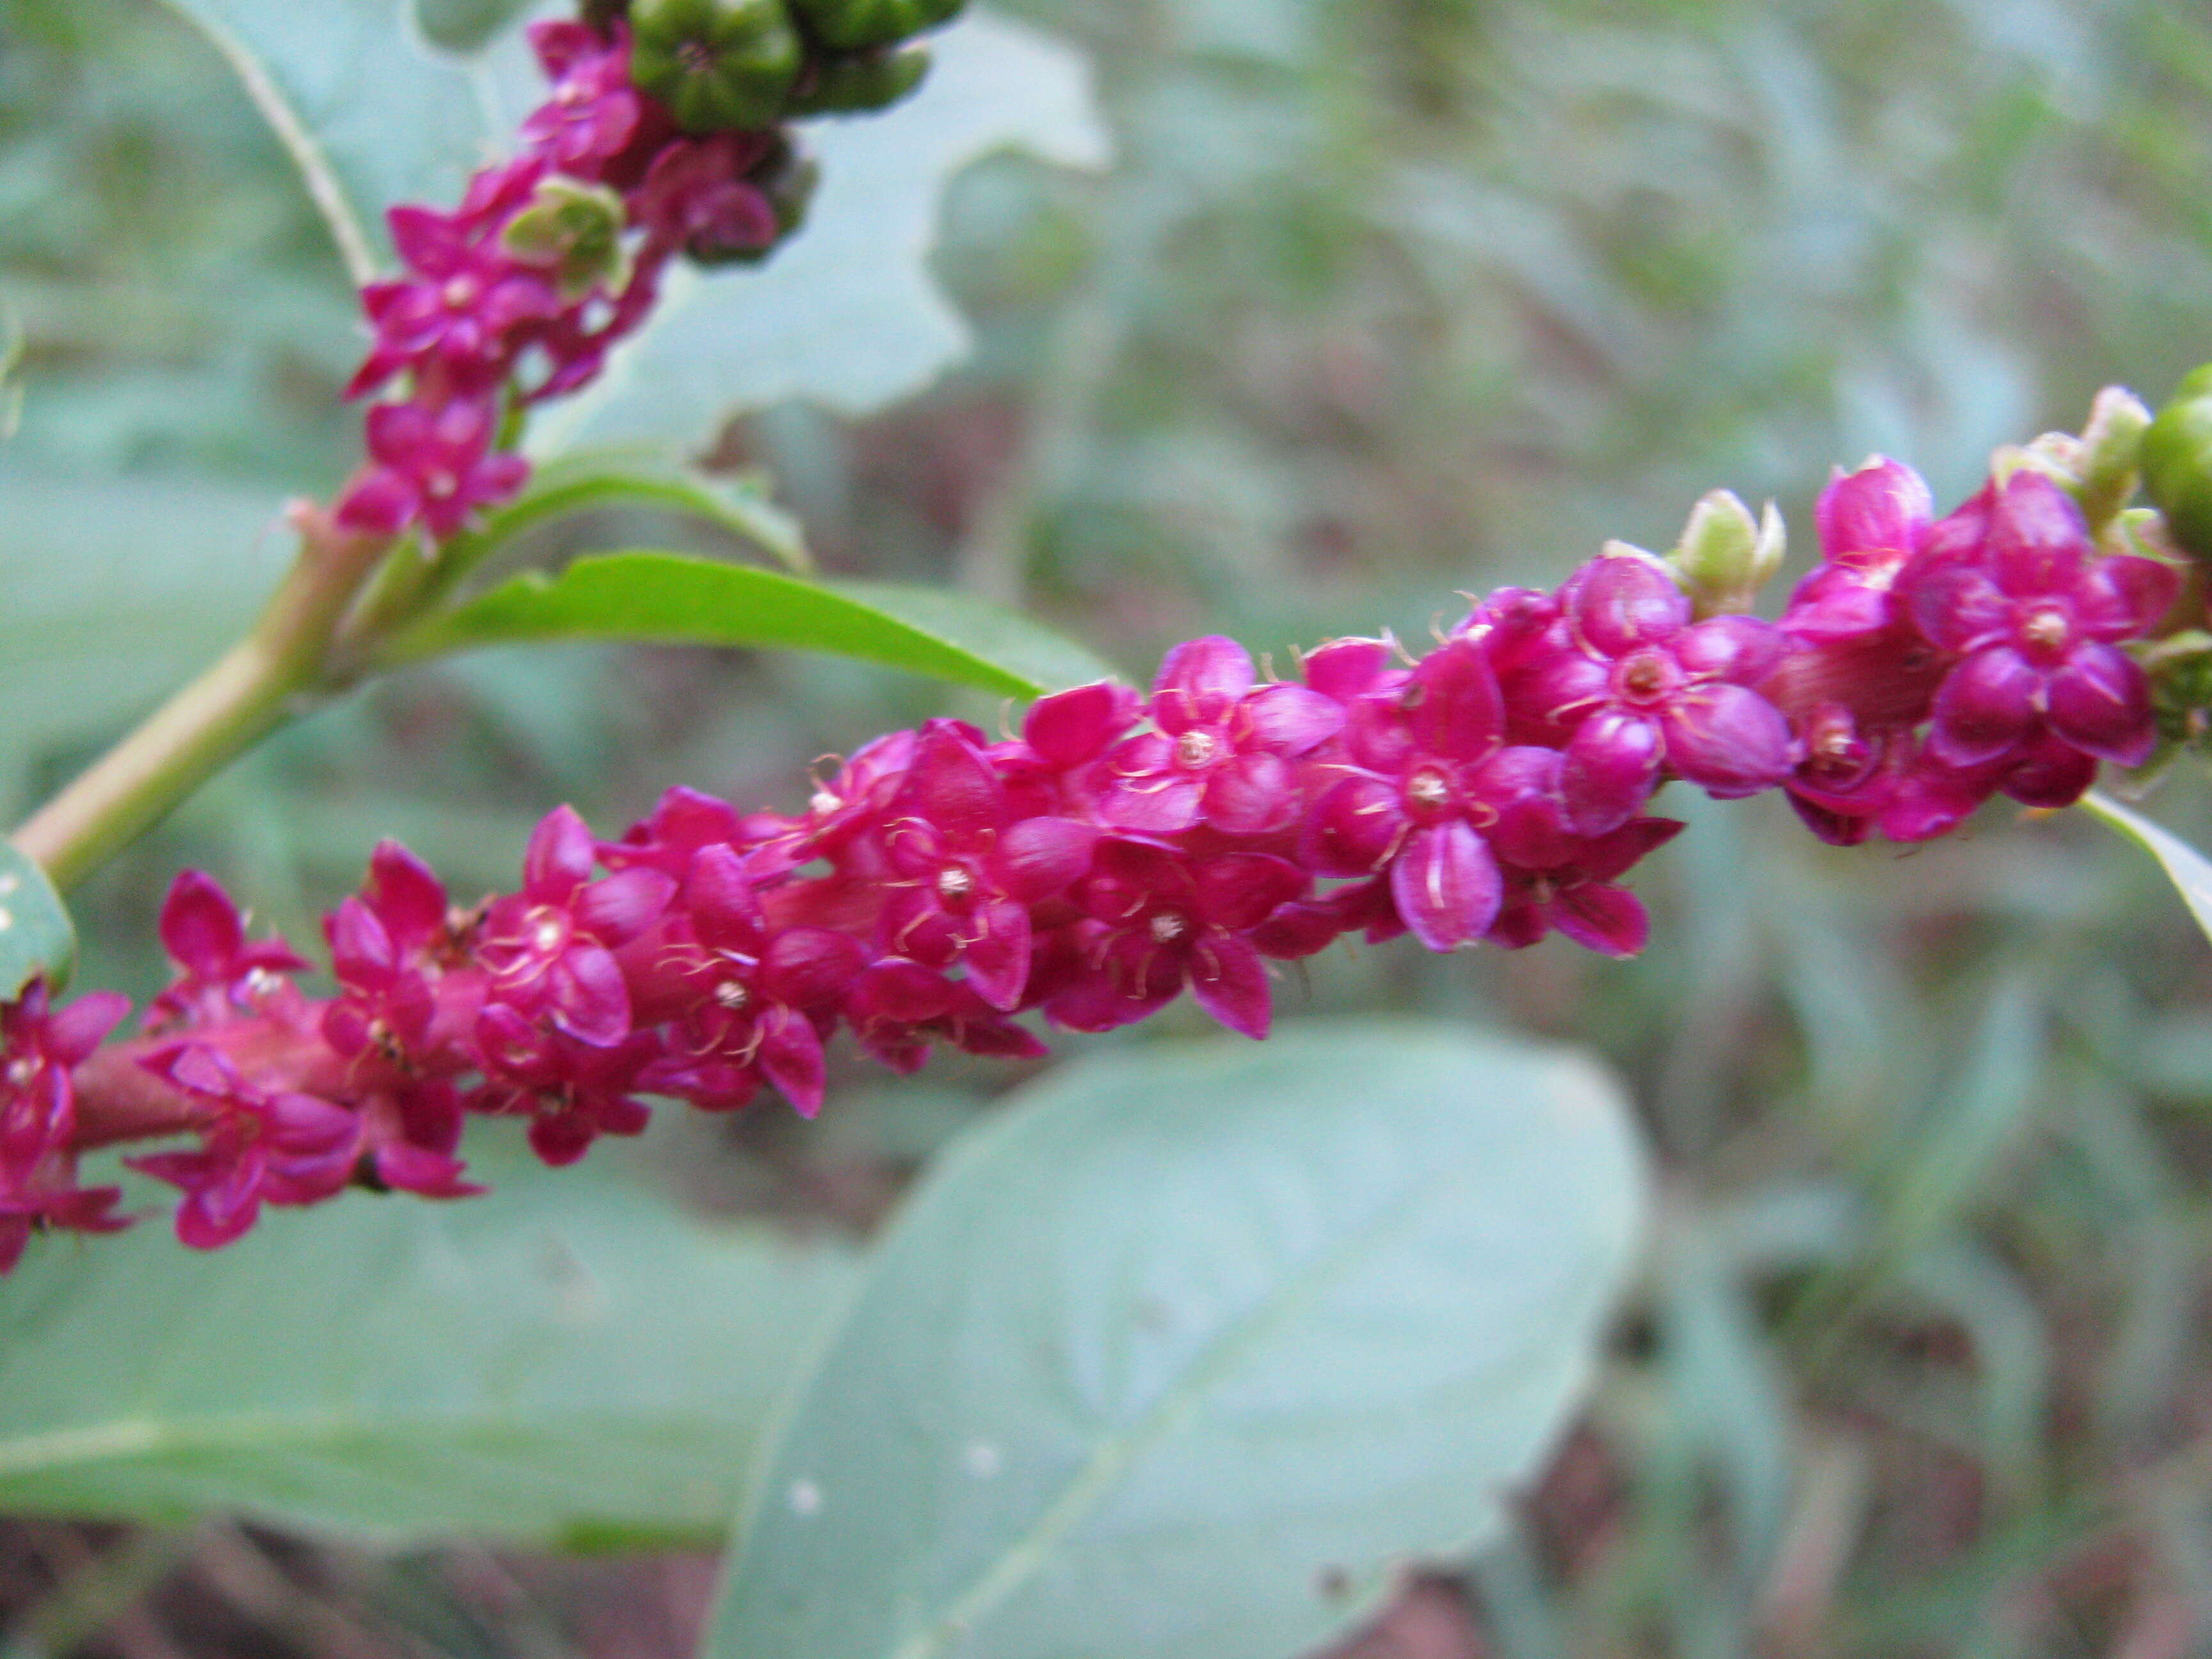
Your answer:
<point x="1192" y="1350"/>
<point x="566" y="1361"/>
<point x="673" y="599"/>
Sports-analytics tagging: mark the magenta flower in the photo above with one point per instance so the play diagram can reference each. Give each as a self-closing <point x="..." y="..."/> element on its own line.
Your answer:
<point x="898" y="1008"/>
<point x="1646" y="692"/>
<point x="219" y="969"/>
<point x="1871" y="522"/>
<point x="39" y="1047"/>
<point x="697" y="197"/>
<point x="2037" y="616"/>
<point x="967" y="872"/>
<point x="1576" y="894"/>
<point x="549" y="948"/>
<point x="1159" y="921"/>
<point x="744" y="997"/>
<point x="1224" y="751"/>
<point x="572" y="1092"/>
<point x="259" y="1146"/>
<point x="1430" y="784"/>
<point x="593" y="113"/>
<point x="460" y="309"/>
<point x="434" y="464"/>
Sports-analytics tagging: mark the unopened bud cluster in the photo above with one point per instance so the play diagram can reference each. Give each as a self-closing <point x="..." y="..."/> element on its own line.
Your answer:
<point x="662" y="137"/>
<point x="1118" y="852"/>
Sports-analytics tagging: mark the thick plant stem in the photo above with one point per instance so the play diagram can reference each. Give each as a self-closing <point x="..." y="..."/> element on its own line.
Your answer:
<point x="247" y="692"/>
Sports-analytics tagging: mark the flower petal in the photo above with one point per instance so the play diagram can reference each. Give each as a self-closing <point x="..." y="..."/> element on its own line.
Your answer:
<point x="1986" y="706"/>
<point x="1625" y="600"/>
<point x="1612" y="767"/>
<point x="1727" y="740"/>
<point x="1230" y="981"/>
<point x="1447" y="885"/>
<point x="2100" y="701"/>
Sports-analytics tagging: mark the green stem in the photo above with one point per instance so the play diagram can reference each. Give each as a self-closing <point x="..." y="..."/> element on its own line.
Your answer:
<point x="250" y="690"/>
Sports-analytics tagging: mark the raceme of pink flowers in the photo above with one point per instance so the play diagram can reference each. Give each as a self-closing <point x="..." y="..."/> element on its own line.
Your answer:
<point x="1116" y="854"/>
<point x="519" y="293"/>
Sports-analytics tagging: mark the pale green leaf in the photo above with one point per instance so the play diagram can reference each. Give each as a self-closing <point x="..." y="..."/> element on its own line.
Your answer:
<point x="1193" y="1350"/>
<point x="670" y="598"/>
<point x="849" y="314"/>
<point x="566" y="1361"/>
<point x="36" y="937"/>
<point x="2188" y="870"/>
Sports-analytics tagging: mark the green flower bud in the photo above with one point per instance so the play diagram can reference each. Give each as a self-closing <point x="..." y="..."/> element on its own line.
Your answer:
<point x="2176" y="463"/>
<point x="719" y="65"/>
<point x="856" y="25"/>
<point x="2111" y="450"/>
<point x="576" y="229"/>
<point x="1725" y="556"/>
<point x="845" y="83"/>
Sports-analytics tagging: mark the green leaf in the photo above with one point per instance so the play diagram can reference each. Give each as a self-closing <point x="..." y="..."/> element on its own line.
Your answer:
<point x="671" y="599"/>
<point x="370" y="114"/>
<point x="566" y="1361"/>
<point x="2187" y="868"/>
<point x="35" y="934"/>
<point x="466" y="25"/>
<point x="1192" y="1351"/>
<point x="585" y="484"/>
<point x="848" y="315"/>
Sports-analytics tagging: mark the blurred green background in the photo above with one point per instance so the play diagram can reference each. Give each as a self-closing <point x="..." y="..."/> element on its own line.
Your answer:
<point x="1382" y="299"/>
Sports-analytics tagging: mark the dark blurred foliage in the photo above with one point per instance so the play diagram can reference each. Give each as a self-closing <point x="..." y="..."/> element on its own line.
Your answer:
<point x="1385" y="298"/>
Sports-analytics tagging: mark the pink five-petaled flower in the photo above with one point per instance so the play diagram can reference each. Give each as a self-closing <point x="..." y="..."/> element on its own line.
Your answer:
<point x="898" y="1008"/>
<point x="460" y="309"/>
<point x="39" y="1046"/>
<point x="966" y="873"/>
<point x="1158" y="919"/>
<point x="572" y="1092"/>
<point x="1871" y="522"/>
<point x="258" y="1146"/>
<point x="697" y="197"/>
<point x="1576" y="893"/>
<point x="549" y="948"/>
<point x="1224" y="751"/>
<point x="2037" y="616"/>
<point x="434" y="462"/>
<point x="742" y="997"/>
<point x="220" y="971"/>
<point x="1433" y="795"/>
<point x="593" y="111"/>
<point x="1646" y="692"/>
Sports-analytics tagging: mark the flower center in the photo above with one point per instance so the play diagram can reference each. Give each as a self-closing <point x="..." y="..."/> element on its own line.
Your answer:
<point x="22" y="1073"/>
<point x="260" y="983"/>
<point x="1196" y="749"/>
<point x="824" y="802"/>
<point x="1428" y="787"/>
<point x="1167" y="927"/>
<point x="548" y="930"/>
<point x="441" y="484"/>
<point x="731" y="995"/>
<point x="954" y="883"/>
<point x="696" y="56"/>
<point x="1645" y="676"/>
<point x="461" y="292"/>
<point x="2047" y="627"/>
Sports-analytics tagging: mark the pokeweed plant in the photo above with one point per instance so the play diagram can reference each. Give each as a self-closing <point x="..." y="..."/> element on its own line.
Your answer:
<point x="1114" y="851"/>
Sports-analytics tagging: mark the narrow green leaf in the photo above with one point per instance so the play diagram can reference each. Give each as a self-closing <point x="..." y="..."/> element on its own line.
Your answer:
<point x="1189" y="1354"/>
<point x="585" y="484"/>
<point x="566" y="1361"/>
<point x="670" y="598"/>
<point x="2187" y="868"/>
<point x="35" y="934"/>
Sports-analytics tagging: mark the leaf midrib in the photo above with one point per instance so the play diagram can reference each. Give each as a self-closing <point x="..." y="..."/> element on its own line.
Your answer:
<point x="1120" y="1452"/>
